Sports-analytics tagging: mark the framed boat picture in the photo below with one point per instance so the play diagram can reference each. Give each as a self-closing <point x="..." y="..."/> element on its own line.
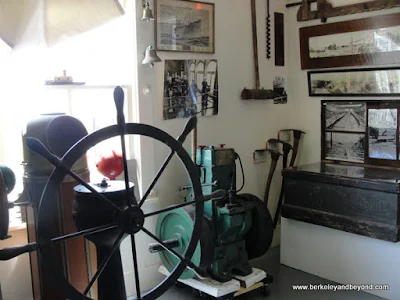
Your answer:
<point x="185" y="26"/>
<point x="362" y="42"/>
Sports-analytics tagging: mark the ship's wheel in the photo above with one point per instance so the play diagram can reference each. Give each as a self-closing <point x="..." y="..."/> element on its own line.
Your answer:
<point x="107" y="214"/>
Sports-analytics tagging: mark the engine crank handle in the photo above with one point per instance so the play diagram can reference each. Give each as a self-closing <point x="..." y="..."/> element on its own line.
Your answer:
<point x="11" y="252"/>
<point x="156" y="247"/>
<point x="36" y="146"/>
<point x="186" y="187"/>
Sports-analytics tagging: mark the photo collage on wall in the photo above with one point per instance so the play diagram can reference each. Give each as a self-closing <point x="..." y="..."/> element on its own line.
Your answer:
<point x="190" y="85"/>
<point x="361" y="131"/>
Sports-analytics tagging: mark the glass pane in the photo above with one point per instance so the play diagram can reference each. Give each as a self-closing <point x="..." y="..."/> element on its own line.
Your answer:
<point x="382" y="124"/>
<point x="95" y="108"/>
<point x="345" y="116"/>
<point x="345" y="146"/>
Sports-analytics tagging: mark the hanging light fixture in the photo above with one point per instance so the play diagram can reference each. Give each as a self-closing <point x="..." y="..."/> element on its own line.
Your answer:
<point x="147" y="12"/>
<point x="150" y="56"/>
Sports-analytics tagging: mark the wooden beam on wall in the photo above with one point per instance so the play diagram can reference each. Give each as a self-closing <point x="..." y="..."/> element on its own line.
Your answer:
<point x="325" y="9"/>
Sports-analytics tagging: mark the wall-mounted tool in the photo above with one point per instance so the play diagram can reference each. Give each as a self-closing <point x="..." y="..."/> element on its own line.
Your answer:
<point x="257" y="93"/>
<point x="286" y="148"/>
<point x="296" y="141"/>
<point x="274" y="160"/>
<point x="326" y="10"/>
<point x="268" y="32"/>
<point x="279" y="31"/>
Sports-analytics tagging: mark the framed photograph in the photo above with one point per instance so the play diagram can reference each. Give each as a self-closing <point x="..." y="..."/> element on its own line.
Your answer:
<point x="368" y="41"/>
<point x="184" y="26"/>
<point x="355" y="82"/>
<point x="345" y="117"/>
<point x="361" y="132"/>
<point x="190" y="88"/>
<point x="345" y="147"/>
<point x="382" y="133"/>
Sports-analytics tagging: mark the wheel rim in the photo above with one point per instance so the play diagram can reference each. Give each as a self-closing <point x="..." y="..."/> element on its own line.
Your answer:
<point x="47" y="205"/>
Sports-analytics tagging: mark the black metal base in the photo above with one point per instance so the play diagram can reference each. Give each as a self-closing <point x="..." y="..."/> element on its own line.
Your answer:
<point x="111" y="283"/>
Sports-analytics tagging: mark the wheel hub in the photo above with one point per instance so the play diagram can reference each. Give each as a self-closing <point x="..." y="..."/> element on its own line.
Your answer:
<point x="132" y="220"/>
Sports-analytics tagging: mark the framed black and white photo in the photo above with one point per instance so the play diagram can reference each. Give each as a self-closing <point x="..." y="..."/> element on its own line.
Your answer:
<point x="361" y="132"/>
<point x="345" y="117"/>
<point x="355" y="82"/>
<point x="345" y="147"/>
<point x="368" y="41"/>
<point x="190" y="88"/>
<point x="184" y="26"/>
<point x="382" y="132"/>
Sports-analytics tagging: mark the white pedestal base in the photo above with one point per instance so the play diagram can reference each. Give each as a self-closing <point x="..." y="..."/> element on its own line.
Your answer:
<point x="216" y="289"/>
<point x="341" y="257"/>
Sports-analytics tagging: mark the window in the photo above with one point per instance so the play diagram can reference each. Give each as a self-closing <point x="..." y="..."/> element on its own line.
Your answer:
<point x="102" y="58"/>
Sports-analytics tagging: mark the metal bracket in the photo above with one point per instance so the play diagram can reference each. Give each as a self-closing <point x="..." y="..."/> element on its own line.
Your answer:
<point x="325" y="9"/>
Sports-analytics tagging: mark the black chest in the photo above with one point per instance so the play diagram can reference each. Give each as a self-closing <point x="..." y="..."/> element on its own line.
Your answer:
<point x="360" y="200"/>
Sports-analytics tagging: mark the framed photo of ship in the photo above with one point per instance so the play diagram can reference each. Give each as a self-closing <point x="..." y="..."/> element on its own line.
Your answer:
<point x="184" y="26"/>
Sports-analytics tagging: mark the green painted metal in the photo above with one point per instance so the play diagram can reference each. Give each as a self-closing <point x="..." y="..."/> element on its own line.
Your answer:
<point x="177" y="224"/>
<point x="229" y="223"/>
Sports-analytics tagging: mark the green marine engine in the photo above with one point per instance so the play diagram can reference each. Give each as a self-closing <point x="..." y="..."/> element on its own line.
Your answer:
<point x="235" y="229"/>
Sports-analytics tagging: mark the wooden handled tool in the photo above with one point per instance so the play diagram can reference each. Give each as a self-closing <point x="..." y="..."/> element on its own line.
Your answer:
<point x="257" y="93"/>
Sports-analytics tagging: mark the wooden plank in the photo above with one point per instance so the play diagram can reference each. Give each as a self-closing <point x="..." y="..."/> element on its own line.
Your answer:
<point x="209" y="285"/>
<point x="325" y="9"/>
<point x="351" y="202"/>
<point x="375" y="230"/>
<point x="279" y="39"/>
<point x="249" y="289"/>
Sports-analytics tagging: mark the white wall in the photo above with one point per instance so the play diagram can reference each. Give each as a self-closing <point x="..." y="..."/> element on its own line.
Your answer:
<point x="245" y="126"/>
<point x="336" y="255"/>
<point x="305" y="111"/>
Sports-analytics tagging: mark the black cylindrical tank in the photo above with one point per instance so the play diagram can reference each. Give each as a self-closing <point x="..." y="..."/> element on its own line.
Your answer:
<point x="58" y="132"/>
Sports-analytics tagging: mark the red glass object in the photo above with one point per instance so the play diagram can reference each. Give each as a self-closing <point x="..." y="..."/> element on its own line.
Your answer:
<point x="199" y="6"/>
<point x="110" y="166"/>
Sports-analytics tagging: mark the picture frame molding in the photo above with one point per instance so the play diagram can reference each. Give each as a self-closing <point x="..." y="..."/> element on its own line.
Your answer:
<point x="311" y="94"/>
<point x="376" y="22"/>
<point x="156" y="11"/>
